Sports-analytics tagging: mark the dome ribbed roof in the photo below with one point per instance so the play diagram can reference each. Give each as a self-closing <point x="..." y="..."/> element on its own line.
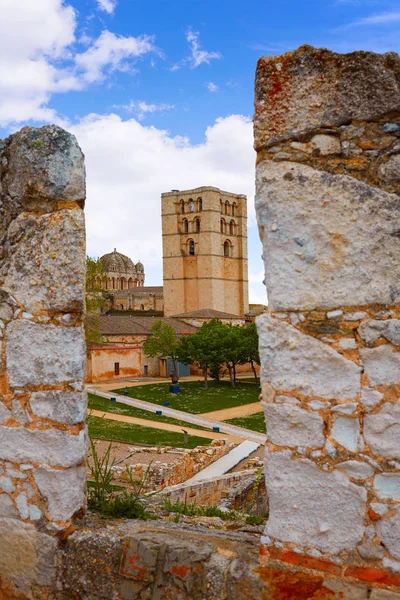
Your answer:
<point x="115" y="261"/>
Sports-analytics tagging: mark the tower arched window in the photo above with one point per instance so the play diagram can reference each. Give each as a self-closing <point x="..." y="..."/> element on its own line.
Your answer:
<point x="199" y="204"/>
<point x="222" y="225"/>
<point x="197" y="225"/>
<point x="227" y="207"/>
<point x="232" y="227"/>
<point x="185" y="226"/>
<point x="113" y="283"/>
<point x="182" y="203"/>
<point x="227" y="249"/>
<point x="191" y="205"/>
<point x="191" y="248"/>
<point x="233" y="209"/>
<point x="221" y="206"/>
<point x="142" y="307"/>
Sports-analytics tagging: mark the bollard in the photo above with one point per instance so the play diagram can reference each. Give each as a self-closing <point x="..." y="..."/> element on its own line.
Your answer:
<point x="167" y="403"/>
<point x="158" y="412"/>
<point x="113" y="399"/>
<point x="126" y="393"/>
<point x="216" y="428"/>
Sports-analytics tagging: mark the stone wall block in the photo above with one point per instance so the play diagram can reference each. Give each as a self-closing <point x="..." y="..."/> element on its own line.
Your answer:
<point x="63" y="490"/>
<point x="26" y="554"/>
<point x="45" y="446"/>
<point x="382" y="365"/>
<point x="302" y="91"/>
<point x="44" y="164"/>
<point x="44" y="354"/>
<point x="63" y="407"/>
<point x="312" y="262"/>
<point x="293" y="426"/>
<point x="382" y="431"/>
<point x="311" y="507"/>
<point x="43" y="272"/>
<point x="292" y="361"/>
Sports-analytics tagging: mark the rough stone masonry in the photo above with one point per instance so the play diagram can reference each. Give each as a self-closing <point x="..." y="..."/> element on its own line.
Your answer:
<point x="327" y="135"/>
<point x="42" y="358"/>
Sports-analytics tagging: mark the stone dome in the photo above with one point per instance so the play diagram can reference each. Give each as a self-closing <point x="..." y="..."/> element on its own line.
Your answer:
<point x="115" y="261"/>
<point x="139" y="267"/>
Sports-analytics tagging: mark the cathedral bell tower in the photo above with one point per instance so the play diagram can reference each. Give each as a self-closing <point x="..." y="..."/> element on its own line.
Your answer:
<point x="204" y="251"/>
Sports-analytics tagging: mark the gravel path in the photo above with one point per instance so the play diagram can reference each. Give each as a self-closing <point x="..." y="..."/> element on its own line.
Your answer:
<point x="236" y="411"/>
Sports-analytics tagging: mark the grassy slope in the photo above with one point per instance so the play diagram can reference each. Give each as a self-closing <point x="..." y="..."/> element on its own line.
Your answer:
<point x="254" y="422"/>
<point x="98" y="403"/>
<point x="194" y="398"/>
<point x="136" y="434"/>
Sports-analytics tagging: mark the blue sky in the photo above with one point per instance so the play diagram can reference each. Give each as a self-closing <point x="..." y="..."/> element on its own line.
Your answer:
<point x="160" y="94"/>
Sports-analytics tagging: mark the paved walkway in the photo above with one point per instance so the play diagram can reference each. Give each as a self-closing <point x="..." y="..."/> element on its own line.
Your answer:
<point x="236" y="411"/>
<point x="225" y="463"/>
<point x="226" y="428"/>
<point x="211" y="435"/>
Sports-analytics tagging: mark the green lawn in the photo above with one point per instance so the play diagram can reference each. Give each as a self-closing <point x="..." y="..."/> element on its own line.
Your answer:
<point x="98" y="403"/>
<point x="254" y="422"/>
<point x="194" y="398"/>
<point x="136" y="434"/>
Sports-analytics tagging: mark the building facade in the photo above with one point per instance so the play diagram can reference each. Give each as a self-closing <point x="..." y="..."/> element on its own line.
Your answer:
<point x="124" y="284"/>
<point x="204" y="251"/>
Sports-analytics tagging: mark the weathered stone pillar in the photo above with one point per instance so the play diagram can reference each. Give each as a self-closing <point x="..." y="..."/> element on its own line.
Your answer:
<point x="42" y="360"/>
<point x="327" y="134"/>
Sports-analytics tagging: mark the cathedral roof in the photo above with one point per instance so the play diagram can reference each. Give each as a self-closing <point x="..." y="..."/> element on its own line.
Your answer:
<point x="115" y="261"/>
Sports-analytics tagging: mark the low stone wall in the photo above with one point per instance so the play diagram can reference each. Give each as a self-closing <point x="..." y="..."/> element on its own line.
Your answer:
<point x="160" y="475"/>
<point x="159" y="561"/>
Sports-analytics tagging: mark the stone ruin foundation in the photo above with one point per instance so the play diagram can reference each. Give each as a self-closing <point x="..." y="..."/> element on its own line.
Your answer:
<point x="327" y="131"/>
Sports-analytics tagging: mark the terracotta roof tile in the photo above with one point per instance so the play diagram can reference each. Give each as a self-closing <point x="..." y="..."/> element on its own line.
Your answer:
<point x="121" y="325"/>
<point x="207" y="313"/>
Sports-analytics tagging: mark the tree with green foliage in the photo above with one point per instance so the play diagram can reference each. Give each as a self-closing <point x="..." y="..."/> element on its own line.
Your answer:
<point x="94" y="299"/>
<point x="203" y="348"/>
<point x="162" y="343"/>
<point x="249" y="346"/>
<point x="232" y="348"/>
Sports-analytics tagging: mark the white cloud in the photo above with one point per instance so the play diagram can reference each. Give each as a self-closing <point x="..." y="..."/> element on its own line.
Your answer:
<point x="111" y="52"/>
<point x="142" y="109"/>
<point x="212" y="87"/>
<point x="129" y="165"/>
<point x="38" y="57"/>
<point x="197" y="55"/>
<point x="107" y="5"/>
<point x="32" y="35"/>
<point x="380" y="19"/>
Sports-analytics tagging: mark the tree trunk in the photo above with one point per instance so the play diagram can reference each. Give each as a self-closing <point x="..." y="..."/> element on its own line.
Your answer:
<point x="234" y="372"/>
<point x="254" y="370"/>
<point x="176" y="376"/>
<point x="205" y="374"/>
<point x="231" y="375"/>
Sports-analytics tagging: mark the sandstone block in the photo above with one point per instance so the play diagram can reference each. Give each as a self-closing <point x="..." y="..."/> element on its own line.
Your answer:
<point x="26" y="554"/>
<point x="48" y="447"/>
<point x="339" y="258"/>
<point x="370" y="398"/>
<point x="298" y="362"/>
<point x="7" y="508"/>
<point x="44" y="163"/>
<point x="356" y="469"/>
<point x="382" y="364"/>
<point x="382" y="431"/>
<point x="387" y="486"/>
<point x="293" y="426"/>
<point x="388" y="529"/>
<point x="370" y="551"/>
<point x="310" y="88"/>
<point x="371" y="331"/>
<point x="5" y="413"/>
<point x="64" y="407"/>
<point x="311" y="507"/>
<point x="346" y="431"/>
<point x="390" y="171"/>
<point x="43" y="271"/>
<point x="44" y="354"/>
<point x="379" y="594"/>
<point x="64" y="490"/>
